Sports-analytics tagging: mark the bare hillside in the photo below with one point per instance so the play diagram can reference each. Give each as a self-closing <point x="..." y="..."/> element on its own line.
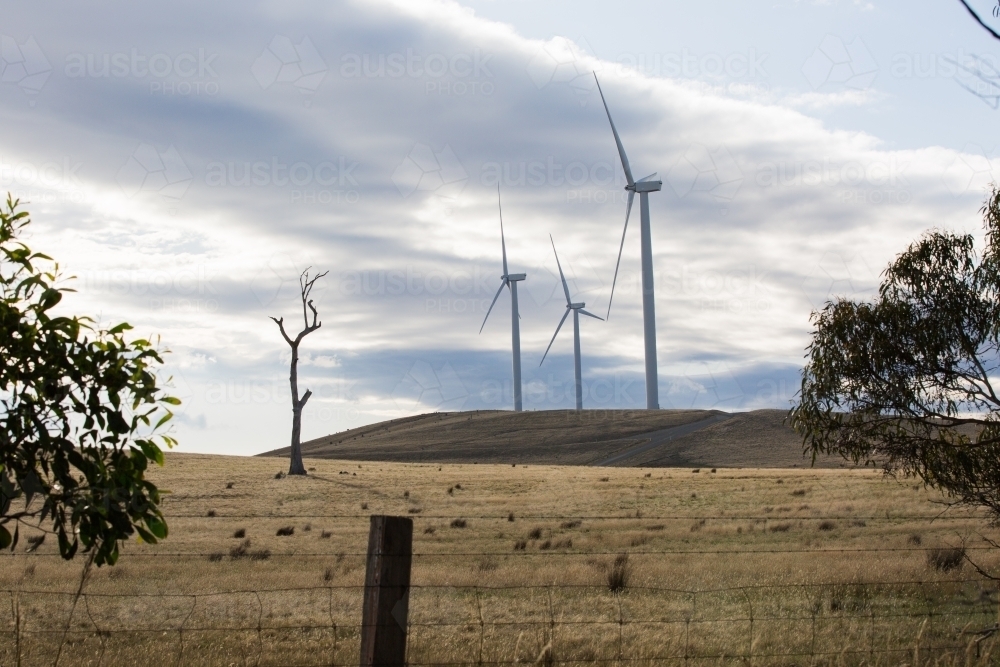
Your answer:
<point x="623" y="438"/>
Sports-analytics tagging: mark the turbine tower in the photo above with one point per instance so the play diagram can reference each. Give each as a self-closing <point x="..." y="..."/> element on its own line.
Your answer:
<point x="510" y="280"/>
<point x="643" y="186"/>
<point x="577" y="310"/>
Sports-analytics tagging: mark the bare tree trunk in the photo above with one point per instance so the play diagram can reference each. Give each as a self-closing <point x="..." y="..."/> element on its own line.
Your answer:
<point x="295" y="465"/>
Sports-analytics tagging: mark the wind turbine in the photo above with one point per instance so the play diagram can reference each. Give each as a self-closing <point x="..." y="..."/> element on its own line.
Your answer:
<point x="643" y="186"/>
<point x="510" y="280"/>
<point x="577" y="310"/>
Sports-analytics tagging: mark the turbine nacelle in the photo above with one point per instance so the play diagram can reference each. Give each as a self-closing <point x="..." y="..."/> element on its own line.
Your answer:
<point x="646" y="186"/>
<point x="515" y="277"/>
<point x="575" y="306"/>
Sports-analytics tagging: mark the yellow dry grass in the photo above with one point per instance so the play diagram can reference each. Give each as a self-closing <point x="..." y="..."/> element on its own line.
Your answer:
<point x="762" y="566"/>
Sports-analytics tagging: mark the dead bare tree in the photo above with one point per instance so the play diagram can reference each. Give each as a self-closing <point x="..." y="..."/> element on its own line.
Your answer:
<point x="306" y="283"/>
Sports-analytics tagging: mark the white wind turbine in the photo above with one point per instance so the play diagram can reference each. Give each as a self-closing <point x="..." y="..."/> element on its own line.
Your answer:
<point x="577" y="310"/>
<point x="510" y="280"/>
<point x="643" y="186"/>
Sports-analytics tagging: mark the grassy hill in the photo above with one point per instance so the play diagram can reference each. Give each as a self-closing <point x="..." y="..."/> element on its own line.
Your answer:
<point x="566" y="437"/>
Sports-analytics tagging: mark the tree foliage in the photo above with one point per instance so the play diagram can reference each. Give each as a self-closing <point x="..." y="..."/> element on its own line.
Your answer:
<point x="81" y="414"/>
<point x="906" y="380"/>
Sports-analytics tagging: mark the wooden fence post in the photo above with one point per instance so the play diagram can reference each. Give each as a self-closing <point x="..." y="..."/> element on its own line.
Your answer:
<point x="387" y="591"/>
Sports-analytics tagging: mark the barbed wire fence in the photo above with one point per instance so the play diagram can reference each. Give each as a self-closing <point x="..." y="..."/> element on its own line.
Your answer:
<point x="853" y="622"/>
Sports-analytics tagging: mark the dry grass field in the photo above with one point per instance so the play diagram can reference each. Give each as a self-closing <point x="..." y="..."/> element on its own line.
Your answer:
<point x="513" y="564"/>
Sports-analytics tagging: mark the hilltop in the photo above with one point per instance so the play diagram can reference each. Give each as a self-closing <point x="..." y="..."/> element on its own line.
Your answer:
<point x="658" y="438"/>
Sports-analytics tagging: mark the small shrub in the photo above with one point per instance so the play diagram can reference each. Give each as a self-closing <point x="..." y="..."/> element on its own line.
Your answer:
<point x="827" y="525"/>
<point x="618" y="575"/>
<point x="713" y="469"/>
<point x="214" y="557"/>
<point x="229" y="485"/>
<point x="210" y="513"/>
<point x="328" y="574"/>
<point x="649" y="474"/>
<point x="564" y="544"/>
<point x="415" y="510"/>
<point x="487" y="565"/>
<point x="364" y="506"/>
<point x="780" y="527"/>
<point x="658" y="526"/>
<point x="451" y="490"/>
<point x="604" y="479"/>
<point x="406" y="494"/>
<point x="520" y="545"/>
<point x="313" y="469"/>
<point x="29" y="571"/>
<point x="566" y="525"/>
<point x="458" y="486"/>
<point x="779" y="481"/>
<point x="946" y="559"/>
<point x="545" y="545"/>
<point x="638" y="540"/>
<point x="286" y="531"/>
<point x="694" y="495"/>
<point x="914" y="539"/>
<point x="696" y="470"/>
<point x="308" y="527"/>
<point x="510" y="517"/>
<point x="429" y="530"/>
<point x="260" y="554"/>
<point x="240" y="533"/>
<point x="696" y="526"/>
<point x="240" y="550"/>
<point x="535" y="534"/>
<point x="799" y="492"/>
<point x="858" y="523"/>
<point x="325" y="534"/>
<point x="279" y="475"/>
<point x="459" y="523"/>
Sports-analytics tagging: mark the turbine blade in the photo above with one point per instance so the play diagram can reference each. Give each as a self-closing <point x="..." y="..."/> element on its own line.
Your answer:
<point x="565" y="315"/>
<point x="502" y="285"/>
<point x="561" y="276"/>
<point x="628" y="209"/>
<point x="584" y="312"/>
<point x="621" y="149"/>
<point x="644" y="178"/>
<point x="503" y="244"/>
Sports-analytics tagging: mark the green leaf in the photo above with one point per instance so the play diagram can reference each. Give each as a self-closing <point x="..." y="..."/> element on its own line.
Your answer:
<point x="124" y="326"/>
<point x="171" y="400"/>
<point x="157" y="526"/>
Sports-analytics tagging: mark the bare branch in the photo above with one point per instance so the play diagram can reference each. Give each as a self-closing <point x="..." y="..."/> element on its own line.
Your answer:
<point x="979" y="20"/>
<point x="281" y="327"/>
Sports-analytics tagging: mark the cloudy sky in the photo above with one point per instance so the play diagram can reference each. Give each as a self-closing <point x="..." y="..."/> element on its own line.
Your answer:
<point x="186" y="161"/>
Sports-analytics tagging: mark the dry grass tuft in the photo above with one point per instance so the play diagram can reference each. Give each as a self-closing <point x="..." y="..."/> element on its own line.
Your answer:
<point x="566" y="525"/>
<point x="535" y="534"/>
<point x="459" y="523"/>
<point x="946" y="559"/>
<point x="619" y="574"/>
<point x="827" y="525"/>
<point x="229" y="485"/>
<point x="211" y="513"/>
<point x="285" y="531"/>
<point x="780" y="527"/>
<point x="799" y="492"/>
<point x="240" y="533"/>
<point x="520" y="545"/>
<point x="510" y="517"/>
<point x="328" y="574"/>
<point x="429" y="530"/>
